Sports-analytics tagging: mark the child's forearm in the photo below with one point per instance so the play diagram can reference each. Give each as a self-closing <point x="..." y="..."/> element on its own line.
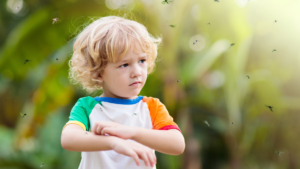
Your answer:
<point x="80" y="140"/>
<point x="165" y="141"/>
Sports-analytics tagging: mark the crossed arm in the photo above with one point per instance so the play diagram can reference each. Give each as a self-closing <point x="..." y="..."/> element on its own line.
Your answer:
<point x="165" y="141"/>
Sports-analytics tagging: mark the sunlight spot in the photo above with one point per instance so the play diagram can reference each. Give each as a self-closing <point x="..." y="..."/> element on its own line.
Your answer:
<point x="14" y="6"/>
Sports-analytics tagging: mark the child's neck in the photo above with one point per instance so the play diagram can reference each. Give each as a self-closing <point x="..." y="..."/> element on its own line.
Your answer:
<point x="103" y="95"/>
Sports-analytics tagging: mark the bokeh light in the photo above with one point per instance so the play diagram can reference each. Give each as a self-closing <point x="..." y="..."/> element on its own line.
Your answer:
<point x="14" y="6"/>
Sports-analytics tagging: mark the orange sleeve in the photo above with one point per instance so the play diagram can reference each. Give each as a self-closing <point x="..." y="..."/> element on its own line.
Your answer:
<point x="160" y="117"/>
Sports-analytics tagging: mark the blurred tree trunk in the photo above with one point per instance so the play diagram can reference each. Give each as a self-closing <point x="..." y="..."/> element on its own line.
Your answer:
<point x="173" y="92"/>
<point x="192" y="150"/>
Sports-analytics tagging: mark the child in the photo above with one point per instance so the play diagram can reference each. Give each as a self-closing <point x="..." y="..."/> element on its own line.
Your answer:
<point x="117" y="129"/>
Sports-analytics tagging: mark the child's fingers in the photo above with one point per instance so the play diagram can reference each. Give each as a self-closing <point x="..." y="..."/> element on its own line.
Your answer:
<point x="154" y="155"/>
<point x="104" y="130"/>
<point x="108" y="130"/>
<point x="147" y="155"/>
<point x="99" y="129"/>
<point x="135" y="157"/>
<point x="94" y="128"/>
<point x="152" y="158"/>
<point x="144" y="157"/>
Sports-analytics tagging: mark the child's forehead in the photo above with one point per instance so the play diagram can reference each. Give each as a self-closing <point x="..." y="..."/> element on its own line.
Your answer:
<point x="134" y="51"/>
<point x="136" y="48"/>
<point x="132" y="55"/>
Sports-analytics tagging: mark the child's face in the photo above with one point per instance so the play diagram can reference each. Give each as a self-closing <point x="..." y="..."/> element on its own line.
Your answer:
<point x="118" y="78"/>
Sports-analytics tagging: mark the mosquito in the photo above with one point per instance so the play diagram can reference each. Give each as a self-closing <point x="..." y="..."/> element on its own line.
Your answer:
<point x="23" y="115"/>
<point x="42" y="165"/>
<point x="206" y="123"/>
<point x="56" y="58"/>
<point x="275" y="21"/>
<point x="279" y="153"/>
<point x="270" y="107"/>
<point x="55" y="20"/>
<point x="26" y="61"/>
<point x="178" y="80"/>
<point x="134" y="114"/>
<point x="172" y="26"/>
<point x="195" y="43"/>
<point x="248" y="76"/>
<point x="166" y="2"/>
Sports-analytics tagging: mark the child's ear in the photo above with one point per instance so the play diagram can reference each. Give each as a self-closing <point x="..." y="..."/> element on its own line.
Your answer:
<point x="100" y="78"/>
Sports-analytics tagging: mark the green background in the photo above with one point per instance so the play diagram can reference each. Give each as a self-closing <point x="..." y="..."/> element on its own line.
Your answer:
<point x="242" y="133"/>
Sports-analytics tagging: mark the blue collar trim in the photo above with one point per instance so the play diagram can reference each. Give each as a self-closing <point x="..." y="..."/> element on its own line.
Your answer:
<point x="118" y="101"/>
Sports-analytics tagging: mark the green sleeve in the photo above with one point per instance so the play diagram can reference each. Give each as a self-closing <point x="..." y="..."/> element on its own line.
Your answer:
<point x="79" y="113"/>
<point x="82" y="110"/>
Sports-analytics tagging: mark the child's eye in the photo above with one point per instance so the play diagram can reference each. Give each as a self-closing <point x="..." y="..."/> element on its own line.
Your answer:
<point x="143" y="60"/>
<point x="125" y="65"/>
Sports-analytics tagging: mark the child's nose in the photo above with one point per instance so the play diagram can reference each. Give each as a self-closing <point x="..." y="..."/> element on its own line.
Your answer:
<point x="136" y="71"/>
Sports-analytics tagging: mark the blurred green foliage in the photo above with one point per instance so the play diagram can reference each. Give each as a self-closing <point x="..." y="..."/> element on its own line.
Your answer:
<point x="242" y="133"/>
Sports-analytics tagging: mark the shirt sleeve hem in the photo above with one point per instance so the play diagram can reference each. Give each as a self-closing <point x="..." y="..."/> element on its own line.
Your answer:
<point x="76" y="122"/>
<point x="170" y="127"/>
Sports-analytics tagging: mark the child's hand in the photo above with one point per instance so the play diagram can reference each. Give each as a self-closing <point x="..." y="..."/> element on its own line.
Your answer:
<point x="113" y="129"/>
<point x="135" y="150"/>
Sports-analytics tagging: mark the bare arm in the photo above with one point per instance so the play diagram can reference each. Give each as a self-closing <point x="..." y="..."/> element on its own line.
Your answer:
<point x="165" y="141"/>
<point x="74" y="138"/>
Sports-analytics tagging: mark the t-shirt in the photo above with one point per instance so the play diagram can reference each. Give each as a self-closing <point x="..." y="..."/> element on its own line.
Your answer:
<point x="144" y="112"/>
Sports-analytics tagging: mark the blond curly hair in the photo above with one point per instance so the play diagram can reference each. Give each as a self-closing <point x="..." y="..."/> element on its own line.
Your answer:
<point x="107" y="40"/>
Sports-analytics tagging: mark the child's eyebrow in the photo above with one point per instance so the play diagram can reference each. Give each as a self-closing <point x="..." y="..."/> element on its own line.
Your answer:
<point x="141" y="56"/>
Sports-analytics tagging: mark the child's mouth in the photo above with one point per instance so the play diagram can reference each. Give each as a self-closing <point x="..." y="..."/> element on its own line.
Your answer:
<point x="135" y="84"/>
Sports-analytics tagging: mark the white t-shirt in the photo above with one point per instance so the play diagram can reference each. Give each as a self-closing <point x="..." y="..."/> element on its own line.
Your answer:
<point x="144" y="112"/>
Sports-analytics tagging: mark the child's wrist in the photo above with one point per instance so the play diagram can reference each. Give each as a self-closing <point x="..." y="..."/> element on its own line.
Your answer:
<point x="113" y="141"/>
<point x="135" y="132"/>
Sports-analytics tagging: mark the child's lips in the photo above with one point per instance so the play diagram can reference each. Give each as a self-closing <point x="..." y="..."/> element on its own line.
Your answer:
<point x="135" y="84"/>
